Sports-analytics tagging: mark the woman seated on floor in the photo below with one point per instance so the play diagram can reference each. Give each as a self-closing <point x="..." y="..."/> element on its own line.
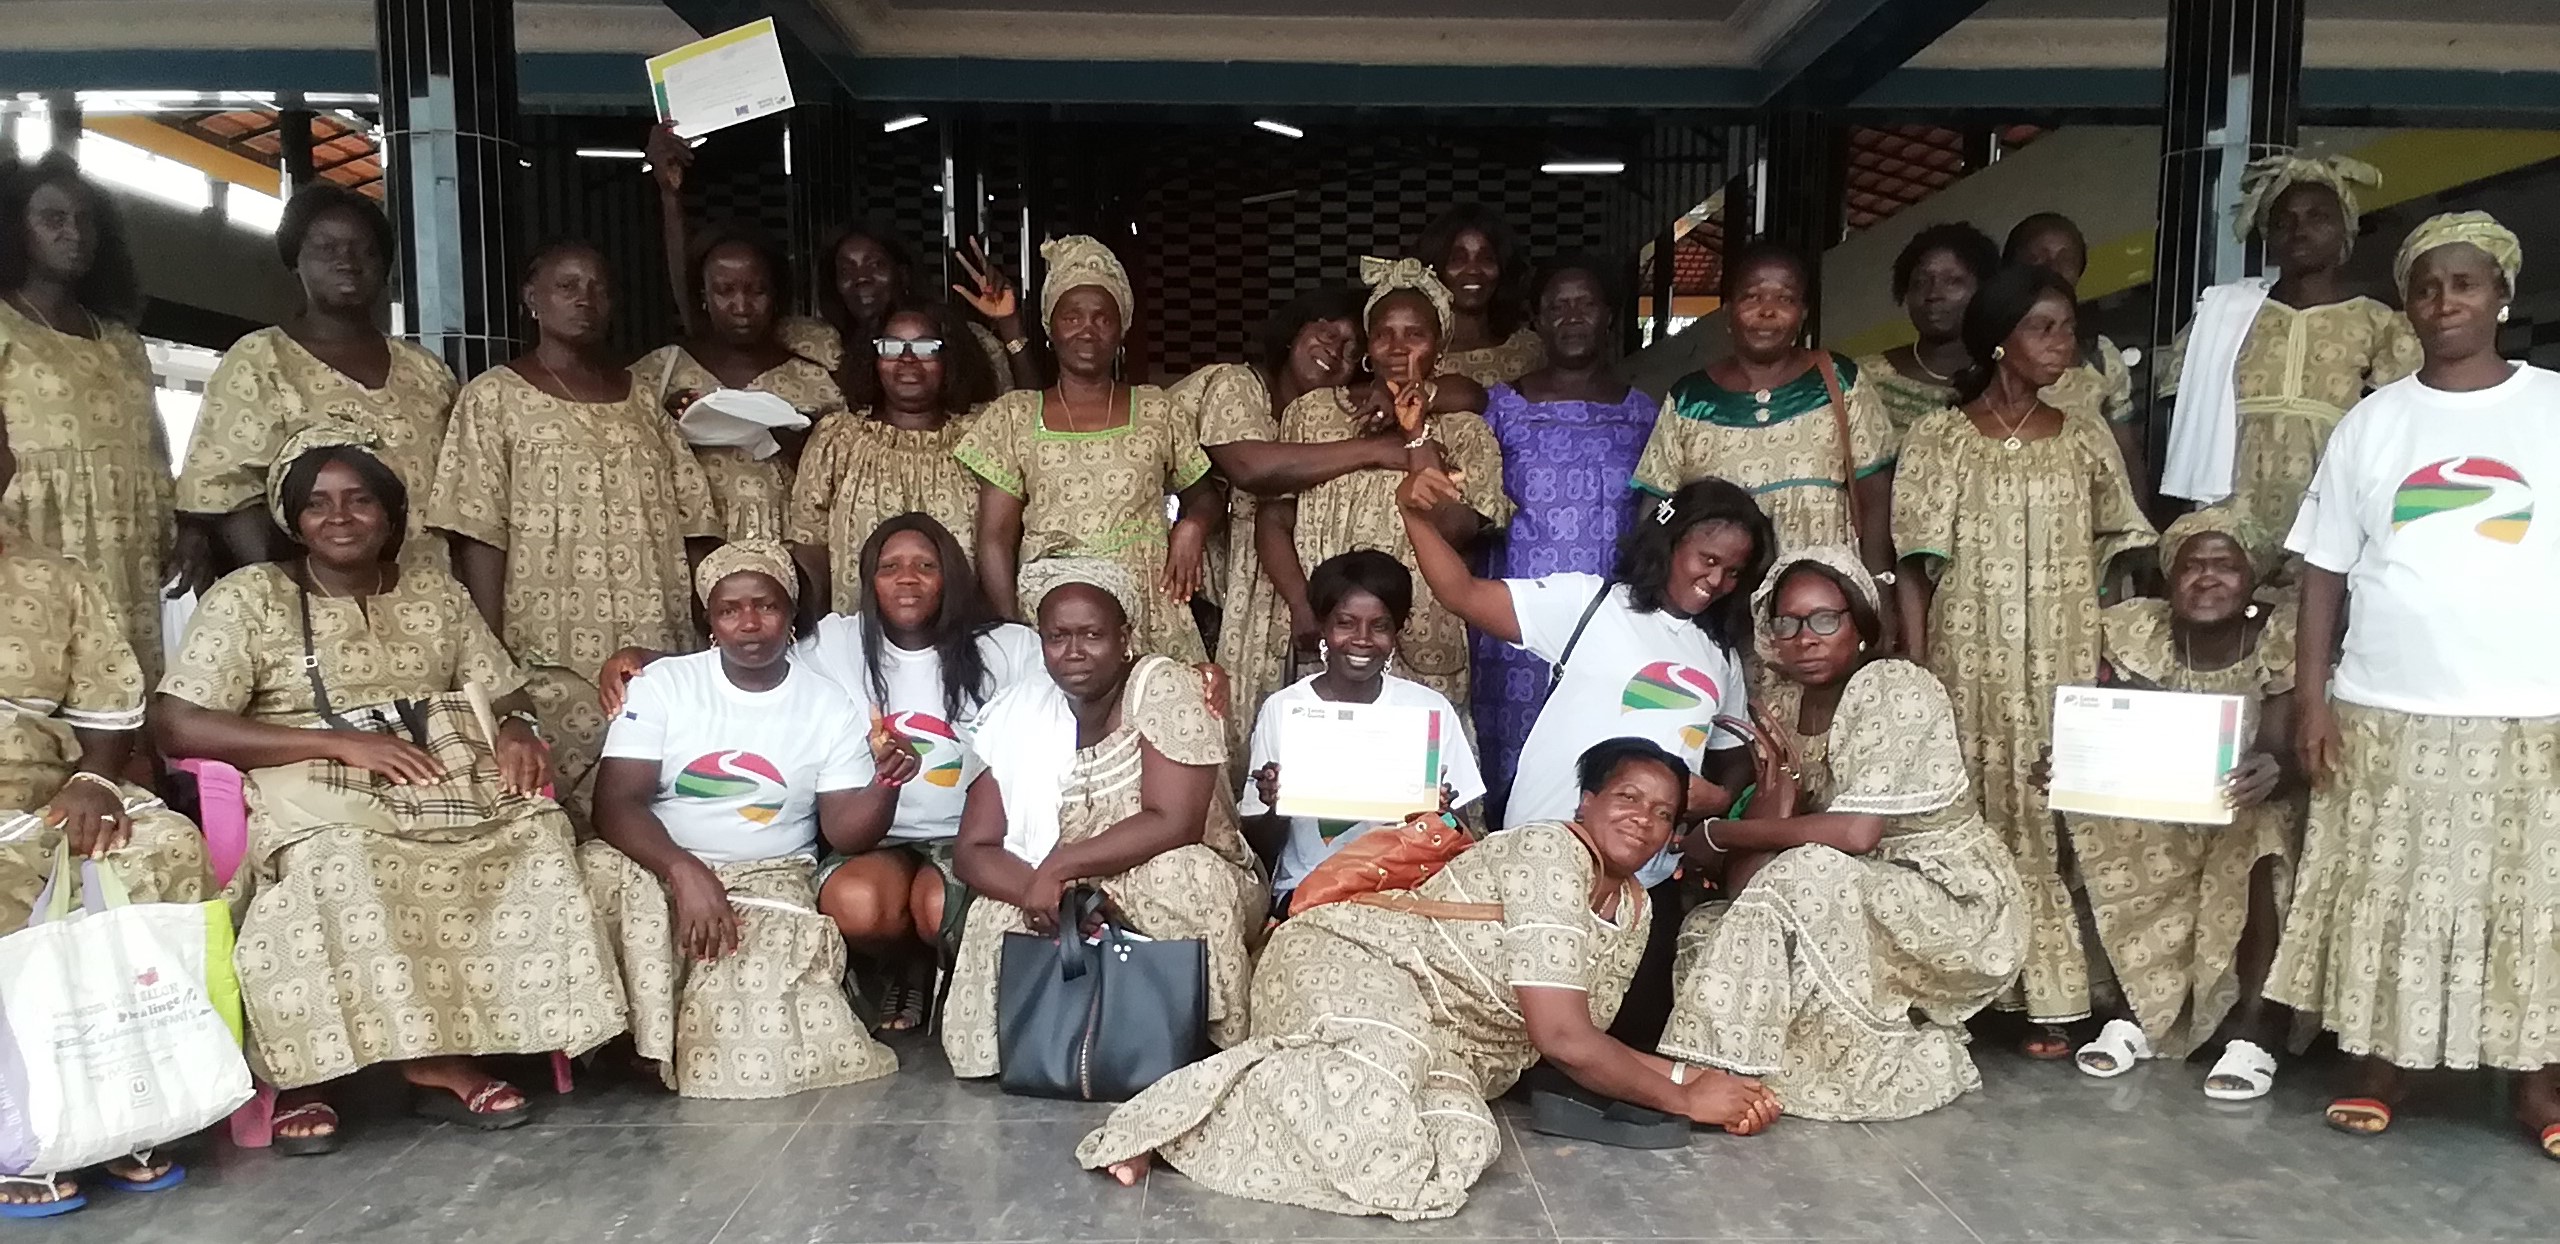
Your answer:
<point x="1865" y="911"/>
<point x="1381" y="1025"/>
<point x="1361" y="600"/>
<point x="1106" y="773"/>
<point x="720" y="775"/>
<point x="409" y="895"/>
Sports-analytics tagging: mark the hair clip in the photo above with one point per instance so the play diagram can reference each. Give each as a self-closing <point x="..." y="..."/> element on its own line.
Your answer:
<point x="1663" y="510"/>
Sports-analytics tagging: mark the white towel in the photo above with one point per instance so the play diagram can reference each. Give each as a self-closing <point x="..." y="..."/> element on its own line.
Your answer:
<point x="2204" y="436"/>
<point x="1028" y="739"/>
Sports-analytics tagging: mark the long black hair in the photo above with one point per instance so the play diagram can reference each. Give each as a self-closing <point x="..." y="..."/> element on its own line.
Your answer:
<point x="1644" y="552"/>
<point x="1314" y="306"/>
<point x="110" y="291"/>
<point x="1509" y="308"/>
<point x="379" y="479"/>
<point x="958" y="624"/>
<point x="1997" y="307"/>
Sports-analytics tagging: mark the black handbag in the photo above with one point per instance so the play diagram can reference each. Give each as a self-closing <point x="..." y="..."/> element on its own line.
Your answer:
<point x="1097" y="1021"/>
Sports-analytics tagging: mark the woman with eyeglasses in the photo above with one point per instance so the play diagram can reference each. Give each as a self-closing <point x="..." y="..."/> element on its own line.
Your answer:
<point x="893" y="457"/>
<point x="1865" y="911"/>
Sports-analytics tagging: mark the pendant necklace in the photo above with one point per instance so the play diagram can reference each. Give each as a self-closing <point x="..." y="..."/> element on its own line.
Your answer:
<point x="2009" y="439"/>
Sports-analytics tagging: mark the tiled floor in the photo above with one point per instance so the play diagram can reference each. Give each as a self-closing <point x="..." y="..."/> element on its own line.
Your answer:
<point x="2042" y="1154"/>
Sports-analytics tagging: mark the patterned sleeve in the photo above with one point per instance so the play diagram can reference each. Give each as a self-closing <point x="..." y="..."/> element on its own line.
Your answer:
<point x="242" y="424"/>
<point x="1925" y="490"/>
<point x="813" y="339"/>
<point x="1894" y="751"/>
<point x="1662" y="468"/>
<point x="1185" y="463"/>
<point x="999" y="365"/>
<point x="2276" y="651"/>
<point x="2117" y="523"/>
<point x="2115" y="383"/>
<point x="2171" y="362"/>
<point x="696" y="513"/>
<point x="1871" y="438"/>
<point x="215" y="667"/>
<point x="482" y="658"/>
<point x="1234" y="406"/>
<point x="1172" y="714"/>
<point x="2396" y="354"/>
<point x="992" y="448"/>
<point x="106" y="682"/>
<point x="1543" y="875"/>
<point x="474" y="493"/>
<point x="813" y="485"/>
<point x="1473" y="449"/>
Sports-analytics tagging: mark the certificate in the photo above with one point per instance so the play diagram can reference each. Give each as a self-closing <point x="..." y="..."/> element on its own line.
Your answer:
<point x="1358" y="762"/>
<point x="732" y="76"/>
<point x="2144" y="755"/>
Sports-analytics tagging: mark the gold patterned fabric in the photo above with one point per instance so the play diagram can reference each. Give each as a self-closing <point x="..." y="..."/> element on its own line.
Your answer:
<point x="1229" y="402"/>
<point x="2170" y="901"/>
<point x="93" y="463"/>
<point x="2425" y="924"/>
<point x="2101" y="390"/>
<point x="857" y="472"/>
<point x="769" y="1019"/>
<point x="819" y="342"/>
<point x="64" y="664"/>
<point x="1501" y="363"/>
<point x="749" y="496"/>
<point x="1097" y="494"/>
<point x="2299" y="372"/>
<point x="1845" y="980"/>
<point x="269" y="387"/>
<point x="2478" y="229"/>
<point x="2018" y="540"/>
<point x="1784" y="447"/>
<point x="1212" y="890"/>
<point x="1076" y="261"/>
<point x="1386" y="276"/>
<point x="243" y="649"/>
<point x="2267" y="178"/>
<point x="1378" y="1035"/>
<point x="1904" y="399"/>
<point x="764" y="557"/>
<point x="1358" y="511"/>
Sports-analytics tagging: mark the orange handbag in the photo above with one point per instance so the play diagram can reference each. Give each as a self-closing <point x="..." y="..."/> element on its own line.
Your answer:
<point x="1398" y="857"/>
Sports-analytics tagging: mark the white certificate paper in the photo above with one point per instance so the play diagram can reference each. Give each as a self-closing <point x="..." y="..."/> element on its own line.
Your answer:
<point x="1358" y="762"/>
<point x="2144" y="755"/>
<point x="732" y="76"/>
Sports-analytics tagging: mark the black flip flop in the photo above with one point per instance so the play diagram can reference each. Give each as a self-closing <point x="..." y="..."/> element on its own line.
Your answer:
<point x="1617" y="1123"/>
<point x="307" y="1146"/>
<point x="437" y="1104"/>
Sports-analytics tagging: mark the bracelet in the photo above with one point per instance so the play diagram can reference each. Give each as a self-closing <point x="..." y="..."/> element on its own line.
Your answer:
<point x="525" y="719"/>
<point x="1017" y="345"/>
<point x="102" y="780"/>
<point x="1706" y="830"/>
<point x="1679" y="1071"/>
<point x="1417" y="442"/>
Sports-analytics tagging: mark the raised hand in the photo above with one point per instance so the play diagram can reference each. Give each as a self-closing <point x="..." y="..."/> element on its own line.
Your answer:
<point x="669" y="157"/>
<point x="990" y="291"/>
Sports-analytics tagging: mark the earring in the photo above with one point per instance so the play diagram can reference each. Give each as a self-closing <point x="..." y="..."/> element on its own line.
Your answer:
<point x="1999" y="352"/>
<point x="1324" y="649"/>
<point x="2250" y="612"/>
<point x="2504" y="312"/>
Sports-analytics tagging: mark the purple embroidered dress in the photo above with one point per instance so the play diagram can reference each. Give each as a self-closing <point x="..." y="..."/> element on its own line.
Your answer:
<point x="1567" y="465"/>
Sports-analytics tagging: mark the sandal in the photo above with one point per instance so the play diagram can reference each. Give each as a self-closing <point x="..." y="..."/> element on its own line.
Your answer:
<point x="169" y="1177"/>
<point x="310" y="1146"/>
<point x="2246" y="1071"/>
<point x="2119" y="1046"/>
<point x="2550" y="1142"/>
<point x="1624" y="1125"/>
<point x="2048" y="1043"/>
<point x="60" y="1204"/>
<point x="473" y="1112"/>
<point x="2346" y="1113"/>
<point x="912" y="1006"/>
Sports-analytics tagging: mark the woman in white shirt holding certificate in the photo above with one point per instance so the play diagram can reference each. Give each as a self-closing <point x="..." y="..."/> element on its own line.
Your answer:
<point x="2424" y="929"/>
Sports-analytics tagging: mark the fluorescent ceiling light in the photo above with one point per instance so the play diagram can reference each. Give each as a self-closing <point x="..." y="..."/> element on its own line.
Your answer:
<point x="1583" y="166"/>
<point x="1281" y="128"/>
<point x="1270" y="196"/>
<point x="612" y="153"/>
<point x="907" y="122"/>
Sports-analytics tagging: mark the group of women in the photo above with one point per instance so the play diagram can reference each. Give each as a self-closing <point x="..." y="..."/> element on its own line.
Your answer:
<point x="1776" y="652"/>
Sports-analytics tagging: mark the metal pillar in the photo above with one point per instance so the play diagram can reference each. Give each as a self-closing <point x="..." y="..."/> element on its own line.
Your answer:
<point x="817" y="155"/>
<point x="449" y="149"/>
<point x="1800" y="191"/>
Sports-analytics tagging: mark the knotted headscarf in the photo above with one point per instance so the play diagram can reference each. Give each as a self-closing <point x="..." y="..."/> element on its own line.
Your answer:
<point x="2268" y="177"/>
<point x="1076" y="261"/>
<point x="764" y="557"/>
<point x="2216" y="520"/>
<point x="1035" y="581"/>
<point x="1839" y="559"/>
<point x="2477" y="228"/>
<point x="323" y="435"/>
<point x="1386" y="276"/>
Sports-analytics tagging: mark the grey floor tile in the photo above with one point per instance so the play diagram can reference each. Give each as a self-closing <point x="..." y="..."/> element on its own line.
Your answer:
<point x="603" y="1100"/>
<point x="1800" y="1180"/>
<point x="242" y="1195"/>
<point x="924" y="1092"/>
<point x="1504" y="1204"/>
<point x="934" y="1183"/>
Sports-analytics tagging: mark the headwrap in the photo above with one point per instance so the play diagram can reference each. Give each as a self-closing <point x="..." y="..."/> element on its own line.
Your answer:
<point x="1035" y="581"/>
<point x="2215" y="520"/>
<point x="2268" y="177"/>
<point x="1839" y="559"/>
<point x="1076" y="261"/>
<point x="1386" y="276"/>
<point x="764" y="557"/>
<point x="2478" y="228"/>
<point x="326" y="434"/>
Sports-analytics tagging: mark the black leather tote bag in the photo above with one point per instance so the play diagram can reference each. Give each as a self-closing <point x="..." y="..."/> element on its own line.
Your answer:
<point x="1097" y="1020"/>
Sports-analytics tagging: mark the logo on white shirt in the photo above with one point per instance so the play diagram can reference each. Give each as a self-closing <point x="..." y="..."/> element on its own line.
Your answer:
<point x="2491" y="493"/>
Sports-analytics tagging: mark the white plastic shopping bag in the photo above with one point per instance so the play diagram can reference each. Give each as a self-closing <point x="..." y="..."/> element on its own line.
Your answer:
<point x="108" y="1042"/>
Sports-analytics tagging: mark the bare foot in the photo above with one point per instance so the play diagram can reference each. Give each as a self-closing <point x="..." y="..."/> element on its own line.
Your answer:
<point x="2046" y="1043"/>
<point x="14" y="1191"/>
<point x="134" y="1169"/>
<point x="463" y="1078"/>
<point x="1131" y="1172"/>
<point x="2538" y="1108"/>
<point x="1738" y="1104"/>
<point x="304" y="1114"/>
<point x="2369" y="1080"/>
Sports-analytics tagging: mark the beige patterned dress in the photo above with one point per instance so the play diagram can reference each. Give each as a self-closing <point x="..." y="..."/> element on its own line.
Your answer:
<point x="1097" y="494"/>
<point x="2170" y="901"/>
<point x="591" y="503"/>
<point x="2299" y="372"/>
<point x="1904" y="399"/>
<point x="1845" y="980"/>
<point x="64" y="665"/>
<point x="1358" y="511"/>
<point x="751" y="496"/>
<point x="1782" y="444"/>
<point x="1229" y="402"/>
<point x="93" y="463"/>
<point x="857" y="472"/>
<point x="381" y="923"/>
<point x="2018" y="540"/>
<point x="1378" y="1035"/>
<point x="1212" y="890"/>
<point x="2102" y="389"/>
<point x="269" y="387"/>
<point x="1501" y="363"/>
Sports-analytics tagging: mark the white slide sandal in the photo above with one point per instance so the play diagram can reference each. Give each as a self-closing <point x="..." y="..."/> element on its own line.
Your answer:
<point x="2244" y="1061"/>
<point x="2119" y="1046"/>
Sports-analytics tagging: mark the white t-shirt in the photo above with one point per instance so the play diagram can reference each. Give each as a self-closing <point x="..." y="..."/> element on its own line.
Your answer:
<point x="1642" y="675"/>
<point x="2430" y="503"/>
<point x="929" y="806"/>
<point x="1310" y="839"/>
<point x="739" y="772"/>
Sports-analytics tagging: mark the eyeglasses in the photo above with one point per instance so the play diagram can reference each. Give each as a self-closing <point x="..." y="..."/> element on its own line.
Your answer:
<point x="901" y="347"/>
<point x="1824" y="622"/>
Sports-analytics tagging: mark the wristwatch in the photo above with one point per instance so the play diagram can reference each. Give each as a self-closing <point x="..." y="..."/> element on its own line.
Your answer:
<point x="1017" y="345"/>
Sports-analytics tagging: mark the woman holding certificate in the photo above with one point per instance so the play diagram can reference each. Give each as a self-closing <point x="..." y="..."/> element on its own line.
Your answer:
<point x="2424" y="929"/>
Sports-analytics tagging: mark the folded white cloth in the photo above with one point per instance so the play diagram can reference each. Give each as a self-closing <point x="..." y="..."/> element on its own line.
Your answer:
<point x="2204" y="436"/>
<point x="1028" y="739"/>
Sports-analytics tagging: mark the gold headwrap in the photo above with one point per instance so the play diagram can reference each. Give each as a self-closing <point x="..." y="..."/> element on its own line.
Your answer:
<point x="2477" y="228"/>
<point x="1076" y="261"/>
<point x="323" y="435"/>
<point x="764" y="557"/>
<point x="2216" y="520"/>
<point x="1386" y="276"/>
<point x="2270" y="176"/>
<point x="1035" y="581"/>
<point x="1839" y="559"/>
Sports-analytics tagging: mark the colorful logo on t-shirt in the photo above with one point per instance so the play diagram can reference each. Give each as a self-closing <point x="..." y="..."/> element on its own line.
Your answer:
<point x="1668" y="685"/>
<point x="2483" y="487"/>
<point x="928" y="734"/>
<point x="1693" y="737"/>
<point x="736" y="775"/>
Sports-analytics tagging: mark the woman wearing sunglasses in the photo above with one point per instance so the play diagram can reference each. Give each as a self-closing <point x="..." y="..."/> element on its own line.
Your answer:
<point x="1864" y="910"/>
<point x="894" y="457"/>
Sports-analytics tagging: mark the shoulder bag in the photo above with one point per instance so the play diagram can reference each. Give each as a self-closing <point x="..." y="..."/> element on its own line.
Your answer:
<point x="1097" y="1019"/>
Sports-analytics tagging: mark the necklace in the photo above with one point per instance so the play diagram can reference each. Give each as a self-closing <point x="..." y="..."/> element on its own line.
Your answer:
<point x="1068" y="409"/>
<point x="2009" y="431"/>
<point x="566" y="393"/>
<point x="1926" y="370"/>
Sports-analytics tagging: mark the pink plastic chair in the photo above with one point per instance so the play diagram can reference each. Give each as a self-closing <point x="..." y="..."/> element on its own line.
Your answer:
<point x="223" y="801"/>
